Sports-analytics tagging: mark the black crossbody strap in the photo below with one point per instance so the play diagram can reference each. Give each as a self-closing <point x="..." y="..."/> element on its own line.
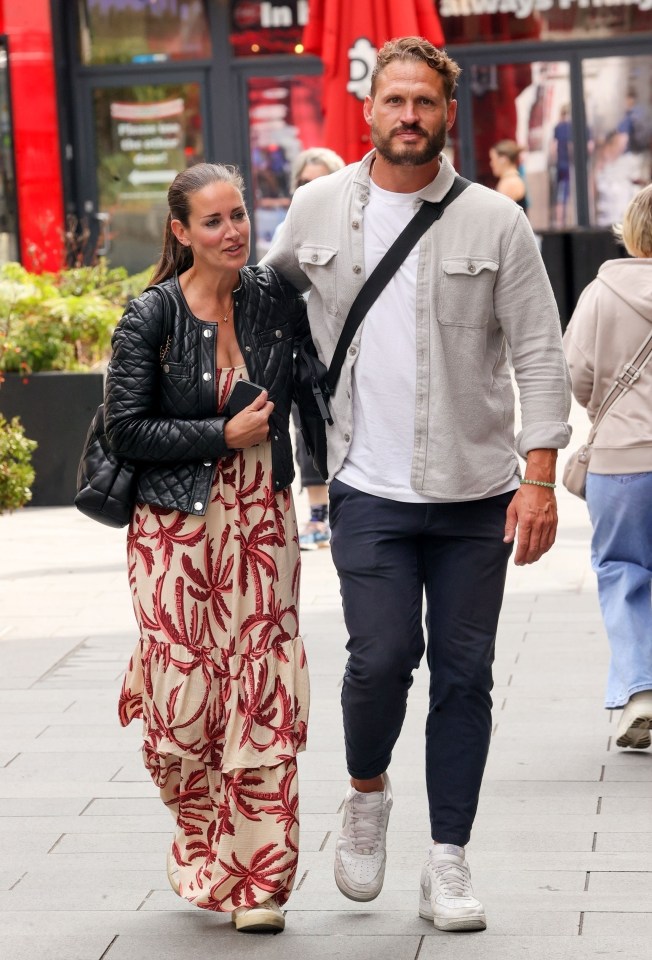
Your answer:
<point x="376" y="282"/>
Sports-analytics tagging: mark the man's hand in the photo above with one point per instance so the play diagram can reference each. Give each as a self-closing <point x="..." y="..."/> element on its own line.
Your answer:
<point x="250" y="426"/>
<point x="533" y="510"/>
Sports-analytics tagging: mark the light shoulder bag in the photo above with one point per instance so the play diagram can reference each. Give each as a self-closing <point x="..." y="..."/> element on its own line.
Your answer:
<point x="577" y="465"/>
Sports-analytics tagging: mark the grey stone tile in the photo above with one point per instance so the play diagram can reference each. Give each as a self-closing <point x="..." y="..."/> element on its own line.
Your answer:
<point x="624" y="842"/>
<point x="619" y="924"/>
<point x="63" y="948"/>
<point x="268" y="948"/>
<point x="42" y="807"/>
<point x="68" y="897"/>
<point x="620" y="883"/>
<point x="483" y="947"/>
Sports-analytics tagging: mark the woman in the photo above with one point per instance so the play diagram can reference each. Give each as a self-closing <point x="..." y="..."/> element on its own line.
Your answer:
<point x="307" y="166"/>
<point x="504" y="159"/>
<point x="219" y="675"/>
<point x="611" y="321"/>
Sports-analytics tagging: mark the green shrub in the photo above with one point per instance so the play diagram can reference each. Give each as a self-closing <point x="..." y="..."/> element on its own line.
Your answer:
<point x="16" y="471"/>
<point x="61" y="321"/>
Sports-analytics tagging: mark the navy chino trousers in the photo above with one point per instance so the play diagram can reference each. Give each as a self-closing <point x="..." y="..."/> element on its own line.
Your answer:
<point x="388" y="554"/>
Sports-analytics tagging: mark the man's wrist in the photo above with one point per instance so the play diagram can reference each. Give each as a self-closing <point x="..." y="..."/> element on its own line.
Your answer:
<point x="541" y="466"/>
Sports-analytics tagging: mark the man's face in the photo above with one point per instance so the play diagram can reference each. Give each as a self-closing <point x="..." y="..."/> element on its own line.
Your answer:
<point x="408" y="115"/>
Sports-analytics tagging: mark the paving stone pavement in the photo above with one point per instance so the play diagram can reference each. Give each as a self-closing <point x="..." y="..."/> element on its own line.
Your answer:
<point x="562" y="847"/>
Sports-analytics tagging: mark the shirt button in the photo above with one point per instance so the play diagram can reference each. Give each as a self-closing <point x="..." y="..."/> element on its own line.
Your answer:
<point x="357" y="268"/>
<point x="279" y="333"/>
<point x="208" y="333"/>
<point x="198" y="505"/>
<point x="347" y="437"/>
<point x="166" y="368"/>
<point x="353" y="351"/>
<point x="208" y="376"/>
<point x="471" y="268"/>
<point x="314" y="258"/>
<point x="248" y="348"/>
<point x="364" y="197"/>
<point x="356" y="224"/>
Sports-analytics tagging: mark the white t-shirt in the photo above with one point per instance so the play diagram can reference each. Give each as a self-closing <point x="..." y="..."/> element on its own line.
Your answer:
<point x="384" y="376"/>
<point x="379" y="460"/>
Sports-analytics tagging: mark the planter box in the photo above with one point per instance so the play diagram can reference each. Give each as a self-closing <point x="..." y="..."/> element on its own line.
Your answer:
<point x="56" y="410"/>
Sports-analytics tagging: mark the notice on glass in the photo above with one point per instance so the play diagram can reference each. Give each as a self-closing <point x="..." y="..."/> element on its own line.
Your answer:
<point x="150" y="139"/>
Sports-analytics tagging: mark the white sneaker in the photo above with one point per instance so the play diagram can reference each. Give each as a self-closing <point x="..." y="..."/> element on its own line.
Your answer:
<point x="360" y="851"/>
<point x="265" y="917"/>
<point x="636" y="721"/>
<point x="446" y="895"/>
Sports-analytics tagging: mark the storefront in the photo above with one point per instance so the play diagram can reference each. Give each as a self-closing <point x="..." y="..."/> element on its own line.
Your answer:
<point x="144" y="87"/>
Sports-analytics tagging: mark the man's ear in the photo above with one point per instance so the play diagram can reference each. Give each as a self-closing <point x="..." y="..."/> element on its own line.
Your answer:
<point x="451" y="113"/>
<point x="367" y="109"/>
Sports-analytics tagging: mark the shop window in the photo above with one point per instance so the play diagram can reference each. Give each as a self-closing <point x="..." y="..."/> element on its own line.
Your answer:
<point x="529" y="104"/>
<point x="618" y="99"/>
<point x="285" y="117"/>
<point x="144" y="136"/>
<point x="143" y="31"/>
<point x="495" y="21"/>
<point x="267" y="26"/>
<point x="8" y="218"/>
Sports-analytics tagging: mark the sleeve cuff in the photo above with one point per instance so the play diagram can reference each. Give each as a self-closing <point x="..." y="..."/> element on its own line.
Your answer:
<point x="546" y="435"/>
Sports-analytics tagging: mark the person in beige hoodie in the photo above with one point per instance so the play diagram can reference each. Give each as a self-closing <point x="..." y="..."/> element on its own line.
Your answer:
<point x="612" y="320"/>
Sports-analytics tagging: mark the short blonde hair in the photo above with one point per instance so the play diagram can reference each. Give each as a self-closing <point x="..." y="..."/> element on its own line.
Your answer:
<point x="635" y="232"/>
<point x="417" y="48"/>
<point x="322" y="155"/>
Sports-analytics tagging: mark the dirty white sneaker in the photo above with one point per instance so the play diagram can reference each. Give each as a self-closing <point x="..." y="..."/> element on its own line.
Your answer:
<point x="265" y="917"/>
<point x="360" y="851"/>
<point x="636" y="721"/>
<point x="445" y="894"/>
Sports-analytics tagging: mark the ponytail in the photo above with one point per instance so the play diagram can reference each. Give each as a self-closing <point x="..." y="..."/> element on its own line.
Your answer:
<point x="175" y="258"/>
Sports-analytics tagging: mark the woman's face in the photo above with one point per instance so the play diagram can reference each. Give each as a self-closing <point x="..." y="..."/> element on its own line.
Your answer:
<point x="497" y="163"/>
<point x="218" y="228"/>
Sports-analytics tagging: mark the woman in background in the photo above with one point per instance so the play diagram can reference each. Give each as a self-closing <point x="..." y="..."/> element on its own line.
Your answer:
<point x="612" y="320"/>
<point x="504" y="158"/>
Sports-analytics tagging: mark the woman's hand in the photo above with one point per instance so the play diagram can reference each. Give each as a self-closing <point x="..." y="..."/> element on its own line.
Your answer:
<point x="251" y="425"/>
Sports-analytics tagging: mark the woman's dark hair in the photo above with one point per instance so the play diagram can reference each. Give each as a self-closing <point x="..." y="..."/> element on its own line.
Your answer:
<point x="175" y="257"/>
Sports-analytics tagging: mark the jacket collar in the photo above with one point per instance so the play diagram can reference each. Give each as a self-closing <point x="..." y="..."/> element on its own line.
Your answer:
<point x="435" y="191"/>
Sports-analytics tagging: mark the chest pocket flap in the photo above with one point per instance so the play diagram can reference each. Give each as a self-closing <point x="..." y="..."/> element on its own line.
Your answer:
<point x="312" y="255"/>
<point x="466" y="291"/>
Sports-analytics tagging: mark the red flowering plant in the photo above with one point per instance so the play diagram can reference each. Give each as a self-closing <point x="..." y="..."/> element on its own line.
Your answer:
<point x="61" y="321"/>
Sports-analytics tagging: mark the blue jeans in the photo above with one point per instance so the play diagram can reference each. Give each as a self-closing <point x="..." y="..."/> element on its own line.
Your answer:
<point x="620" y="506"/>
<point x="389" y="554"/>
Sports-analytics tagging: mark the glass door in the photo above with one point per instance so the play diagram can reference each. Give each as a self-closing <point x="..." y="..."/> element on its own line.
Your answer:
<point x="142" y="135"/>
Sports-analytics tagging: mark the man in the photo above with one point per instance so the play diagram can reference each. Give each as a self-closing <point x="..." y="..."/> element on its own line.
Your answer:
<point x="425" y="485"/>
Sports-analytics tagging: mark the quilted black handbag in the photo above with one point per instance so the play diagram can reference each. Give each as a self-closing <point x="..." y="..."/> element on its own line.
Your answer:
<point x="314" y="383"/>
<point x="106" y="484"/>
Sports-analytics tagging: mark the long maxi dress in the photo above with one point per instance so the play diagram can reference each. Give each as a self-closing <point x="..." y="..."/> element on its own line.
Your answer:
<point x="219" y="677"/>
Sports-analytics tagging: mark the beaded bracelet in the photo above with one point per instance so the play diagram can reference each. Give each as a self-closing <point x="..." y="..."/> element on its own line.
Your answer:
<point x="539" y="483"/>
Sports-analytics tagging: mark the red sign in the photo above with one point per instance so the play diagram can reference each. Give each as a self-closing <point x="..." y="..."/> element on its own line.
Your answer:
<point x="347" y="37"/>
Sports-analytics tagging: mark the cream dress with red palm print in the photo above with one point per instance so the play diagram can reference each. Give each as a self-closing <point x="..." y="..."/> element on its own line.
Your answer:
<point x="220" y="679"/>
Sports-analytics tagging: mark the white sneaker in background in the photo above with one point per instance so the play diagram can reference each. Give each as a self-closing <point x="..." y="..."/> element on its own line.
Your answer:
<point x="636" y="721"/>
<point x="360" y="852"/>
<point x="446" y="895"/>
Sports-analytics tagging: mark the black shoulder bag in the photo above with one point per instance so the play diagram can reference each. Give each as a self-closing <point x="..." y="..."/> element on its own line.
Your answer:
<point x="314" y="383"/>
<point x="106" y="484"/>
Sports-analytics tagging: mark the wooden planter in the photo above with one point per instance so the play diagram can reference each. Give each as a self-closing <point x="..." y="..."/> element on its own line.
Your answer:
<point x="55" y="409"/>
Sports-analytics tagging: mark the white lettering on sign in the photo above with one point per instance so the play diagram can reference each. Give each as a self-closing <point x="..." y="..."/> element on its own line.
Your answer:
<point x="302" y="12"/>
<point x="524" y="8"/>
<point x="362" y="57"/>
<point x="271" y="16"/>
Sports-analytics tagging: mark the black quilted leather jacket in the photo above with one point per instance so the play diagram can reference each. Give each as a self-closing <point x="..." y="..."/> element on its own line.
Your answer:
<point x="163" y="414"/>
